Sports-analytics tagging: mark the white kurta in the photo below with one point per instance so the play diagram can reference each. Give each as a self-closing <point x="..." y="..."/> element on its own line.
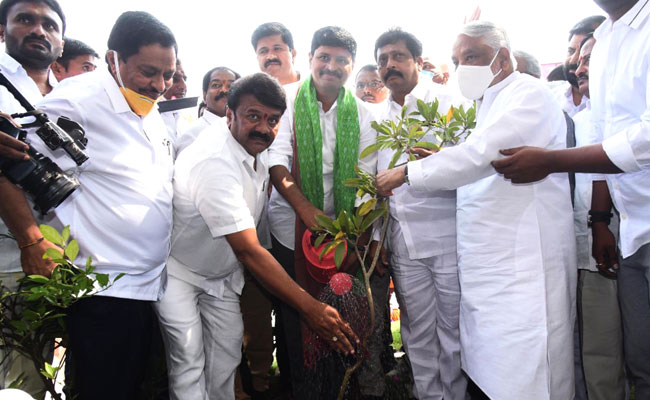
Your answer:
<point x="516" y="247"/>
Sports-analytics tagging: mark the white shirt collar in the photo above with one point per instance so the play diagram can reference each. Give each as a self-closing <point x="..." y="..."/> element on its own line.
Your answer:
<point x="210" y="117"/>
<point x="240" y="154"/>
<point x="114" y="94"/>
<point x="494" y="89"/>
<point x="633" y="18"/>
<point x="11" y="65"/>
<point x="637" y="14"/>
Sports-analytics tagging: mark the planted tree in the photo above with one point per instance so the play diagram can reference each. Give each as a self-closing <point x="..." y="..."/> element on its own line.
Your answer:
<point x="32" y="317"/>
<point x="402" y="136"/>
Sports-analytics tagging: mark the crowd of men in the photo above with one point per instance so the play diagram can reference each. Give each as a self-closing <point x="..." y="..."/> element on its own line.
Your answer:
<point x="514" y="281"/>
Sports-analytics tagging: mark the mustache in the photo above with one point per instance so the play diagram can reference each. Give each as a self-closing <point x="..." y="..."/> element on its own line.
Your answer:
<point x="333" y="73"/>
<point x="583" y="76"/>
<point x="271" y="61"/>
<point x="34" y="38"/>
<point x="392" y="72"/>
<point x="259" y="135"/>
<point x="221" y="96"/>
<point x="569" y="74"/>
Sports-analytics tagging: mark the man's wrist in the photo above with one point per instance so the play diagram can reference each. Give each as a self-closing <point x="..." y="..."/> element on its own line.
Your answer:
<point x="406" y="174"/>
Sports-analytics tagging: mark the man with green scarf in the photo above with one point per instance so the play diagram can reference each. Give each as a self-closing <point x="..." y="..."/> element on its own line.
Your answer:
<point x="321" y="135"/>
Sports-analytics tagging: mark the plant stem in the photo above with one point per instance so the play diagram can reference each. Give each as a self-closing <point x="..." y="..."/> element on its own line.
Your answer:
<point x="371" y="304"/>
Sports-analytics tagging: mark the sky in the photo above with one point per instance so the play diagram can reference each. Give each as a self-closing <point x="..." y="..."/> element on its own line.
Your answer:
<point x="212" y="33"/>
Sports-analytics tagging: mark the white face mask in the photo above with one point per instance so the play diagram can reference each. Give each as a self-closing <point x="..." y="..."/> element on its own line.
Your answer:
<point x="473" y="80"/>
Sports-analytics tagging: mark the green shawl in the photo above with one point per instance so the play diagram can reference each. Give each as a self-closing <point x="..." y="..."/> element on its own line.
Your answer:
<point x="309" y="141"/>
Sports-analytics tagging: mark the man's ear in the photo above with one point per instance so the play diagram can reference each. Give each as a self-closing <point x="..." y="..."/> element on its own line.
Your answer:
<point x="58" y="70"/>
<point x="111" y="61"/>
<point x="293" y="55"/>
<point x="2" y="33"/>
<point x="420" y="63"/>
<point x="230" y="116"/>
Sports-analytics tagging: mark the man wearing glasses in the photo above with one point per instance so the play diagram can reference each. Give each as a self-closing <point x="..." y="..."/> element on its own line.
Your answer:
<point x="368" y="85"/>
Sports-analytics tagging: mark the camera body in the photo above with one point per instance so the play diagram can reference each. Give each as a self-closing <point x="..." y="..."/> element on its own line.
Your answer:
<point x="38" y="176"/>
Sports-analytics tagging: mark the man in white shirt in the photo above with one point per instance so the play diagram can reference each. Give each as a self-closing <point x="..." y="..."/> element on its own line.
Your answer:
<point x="216" y="85"/>
<point x="619" y="83"/>
<point x="320" y="100"/>
<point x="32" y="32"/>
<point x="121" y="213"/>
<point x="275" y="52"/>
<point x="369" y="86"/>
<point x="220" y="188"/>
<point x="273" y="45"/>
<point x="601" y="336"/>
<point x="78" y="58"/>
<point x="422" y="236"/>
<point x="516" y="252"/>
<point x="567" y="95"/>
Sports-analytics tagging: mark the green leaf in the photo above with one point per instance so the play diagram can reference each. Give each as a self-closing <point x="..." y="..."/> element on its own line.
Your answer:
<point x="38" y="279"/>
<point x="72" y="250"/>
<point x="328" y="247"/>
<point x="394" y="160"/>
<point x="325" y="222"/>
<point x="368" y="206"/>
<point x="428" y="145"/>
<point x="371" y="218"/>
<point x="49" y="371"/>
<point x="65" y="233"/>
<point x="102" y="279"/>
<point x="352" y="182"/>
<point x="339" y="254"/>
<point x="319" y="240"/>
<point x="52" y="235"/>
<point x="369" y="150"/>
<point x="53" y="254"/>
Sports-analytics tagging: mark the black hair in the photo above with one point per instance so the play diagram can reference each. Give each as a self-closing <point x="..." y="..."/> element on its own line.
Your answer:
<point x="74" y="48"/>
<point x="557" y="74"/>
<point x="270" y="29"/>
<point x="394" y="35"/>
<point x="6" y="5"/>
<point x="206" y="77"/>
<point x="586" y="26"/>
<point x="334" y="36"/>
<point x="136" y="29"/>
<point x="266" y="89"/>
<point x="367" y="67"/>
<point x="589" y="36"/>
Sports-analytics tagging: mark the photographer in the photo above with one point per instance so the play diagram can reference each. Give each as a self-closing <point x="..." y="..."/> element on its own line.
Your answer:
<point x="121" y="214"/>
<point x="32" y="32"/>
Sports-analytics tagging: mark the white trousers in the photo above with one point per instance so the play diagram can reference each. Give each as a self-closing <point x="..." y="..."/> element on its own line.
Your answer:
<point x="203" y="339"/>
<point x="428" y="293"/>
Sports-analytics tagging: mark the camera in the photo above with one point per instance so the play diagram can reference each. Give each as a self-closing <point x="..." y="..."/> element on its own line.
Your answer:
<point x="39" y="176"/>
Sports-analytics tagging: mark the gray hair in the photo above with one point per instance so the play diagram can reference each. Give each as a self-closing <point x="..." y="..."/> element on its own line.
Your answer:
<point x="532" y="65"/>
<point x="493" y="35"/>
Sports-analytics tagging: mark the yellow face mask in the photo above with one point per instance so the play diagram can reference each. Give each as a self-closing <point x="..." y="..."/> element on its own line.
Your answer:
<point x="140" y="104"/>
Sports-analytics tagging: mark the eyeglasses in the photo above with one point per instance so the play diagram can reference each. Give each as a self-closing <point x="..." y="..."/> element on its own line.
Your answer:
<point x="374" y="85"/>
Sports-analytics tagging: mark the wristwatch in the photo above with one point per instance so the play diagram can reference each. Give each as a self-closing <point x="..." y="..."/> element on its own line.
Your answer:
<point x="599" y="216"/>
<point x="406" y="174"/>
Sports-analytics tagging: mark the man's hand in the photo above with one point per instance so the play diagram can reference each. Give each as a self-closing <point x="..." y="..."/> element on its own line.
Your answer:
<point x="389" y="179"/>
<point x="327" y="323"/>
<point x="308" y="214"/>
<point x="420" y="152"/>
<point x="604" y="250"/>
<point x="525" y="164"/>
<point x="11" y="148"/>
<point x="31" y="259"/>
<point x="382" y="263"/>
